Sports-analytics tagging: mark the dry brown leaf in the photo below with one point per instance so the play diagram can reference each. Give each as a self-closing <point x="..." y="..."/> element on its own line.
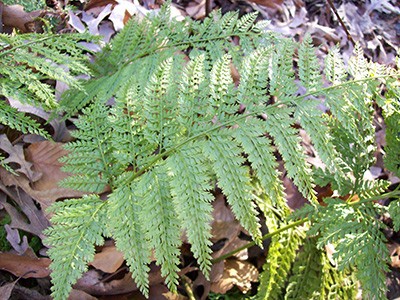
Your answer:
<point x="24" y="266"/>
<point x="268" y="3"/>
<point x="80" y="295"/>
<point x="45" y="197"/>
<point x="37" y="220"/>
<point x="15" y="16"/>
<point x="6" y="290"/>
<point x="108" y="260"/>
<point x="16" y="155"/>
<point x="172" y="296"/>
<point x="394" y="249"/>
<point x="236" y="272"/>
<point x="44" y="157"/>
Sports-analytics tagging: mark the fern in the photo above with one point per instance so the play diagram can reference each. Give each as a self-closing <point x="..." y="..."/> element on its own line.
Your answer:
<point x="78" y="225"/>
<point x="28" y="63"/>
<point x="163" y="123"/>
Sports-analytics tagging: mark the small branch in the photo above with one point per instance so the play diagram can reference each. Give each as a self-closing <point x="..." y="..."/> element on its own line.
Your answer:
<point x="340" y="21"/>
<point x="188" y="288"/>
<point x="266" y="236"/>
<point x="208" y="7"/>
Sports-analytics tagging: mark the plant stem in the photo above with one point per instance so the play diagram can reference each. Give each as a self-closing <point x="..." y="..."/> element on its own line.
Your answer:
<point x="266" y="236"/>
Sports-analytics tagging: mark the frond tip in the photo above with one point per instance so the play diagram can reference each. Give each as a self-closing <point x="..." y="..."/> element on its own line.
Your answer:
<point x="78" y="225"/>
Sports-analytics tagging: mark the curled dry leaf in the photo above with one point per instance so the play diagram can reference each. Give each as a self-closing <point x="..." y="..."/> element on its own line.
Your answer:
<point x="108" y="260"/>
<point x="25" y="266"/>
<point x="236" y="272"/>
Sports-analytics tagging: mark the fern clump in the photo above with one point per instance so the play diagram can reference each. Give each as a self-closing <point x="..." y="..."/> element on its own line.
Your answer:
<point x="163" y="123"/>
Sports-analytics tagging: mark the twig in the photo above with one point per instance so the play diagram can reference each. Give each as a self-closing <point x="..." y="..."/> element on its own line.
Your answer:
<point x="340" y="21"/>
<point x="208" y="7"/>
<point x="266" y="236"/>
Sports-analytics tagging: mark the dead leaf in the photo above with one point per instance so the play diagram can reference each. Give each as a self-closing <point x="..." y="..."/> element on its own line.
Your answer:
<point x="16" y="155"/>
<point x="45" y="197"/>
<point x="14" y="239"/>
<point x="44" y="157"/>
<point x="15" y="16"/>
<point x="24" y="266"/>
<point x="236" y="272"/>
<point x="394" y="249"/>
<point x="108" y="260"/>
<point x="6" y="290"/>
<point x="80" y="295"/>
<point x="37" y="220"/>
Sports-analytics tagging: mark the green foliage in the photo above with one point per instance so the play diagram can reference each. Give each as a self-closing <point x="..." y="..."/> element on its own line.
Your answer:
<point x="163" y="122"/>
<point x="28" y="64"/>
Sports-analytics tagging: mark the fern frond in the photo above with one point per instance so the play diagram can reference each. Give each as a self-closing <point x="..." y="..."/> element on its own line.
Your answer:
<point x="160" y="107"/>
<point x="355" y="232"/>
<point x="281" y="255"/>
<point x="306" y="280"/>
<point x="162" y="227"/>
<point x="309" y="72"/>
<point x="78" y="225"/>
<point x="394" y="211"/>
<point x="233" y="179"/>
<point x="14" y="119"/>
<point x="261" y="156"/>
<point x="126" y="228"/>
<point x="190" y="187"/>
<point x="27" y="60"/>
<point x="282" y="83"/>
<point x="392" y="155"/>
<point x="279" y="125"/>
<point x="90" y="158"/>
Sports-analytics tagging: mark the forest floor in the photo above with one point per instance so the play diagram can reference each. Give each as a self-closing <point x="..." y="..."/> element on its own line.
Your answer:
<point x="375" y="25"/>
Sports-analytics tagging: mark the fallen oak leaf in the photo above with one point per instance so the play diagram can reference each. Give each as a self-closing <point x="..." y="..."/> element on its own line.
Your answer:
<point x="46" y="197"/>
<point x="109" y="260"/>
<point x="236" y="272"/>
<point x="17" y="155"/>
<point x="37" y="220"/>
<point x="24" y="266"/>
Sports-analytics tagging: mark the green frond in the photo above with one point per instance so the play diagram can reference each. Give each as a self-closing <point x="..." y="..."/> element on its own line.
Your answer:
<point x="14" y="119"/>
<point x="394" y="211"/>
<point x="261" y="156"/>
<point x="126" y="228"/>
<point x="190" y="188"/>
<point x="78" y="225"/>
<point x="309" y="72"/>
<point x="254" y="77"/>
<point x="281" y="255"/>
<point x="160" y="107"/>
<point x="282" y="83"/>
<point x="335" y="71"/>
<point x="90" y="159"/>
<point x="26" y="61"/>
<point x="314" y="122"/>
<point x="392" y="153"/>
<point x="279" y="125"/>
<point x="221" y="82"/>
<point x="162" y="227"/>
<point x="358" y="240"/>
<point x="233" y="179"/>
<point x="306" y="279"/>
